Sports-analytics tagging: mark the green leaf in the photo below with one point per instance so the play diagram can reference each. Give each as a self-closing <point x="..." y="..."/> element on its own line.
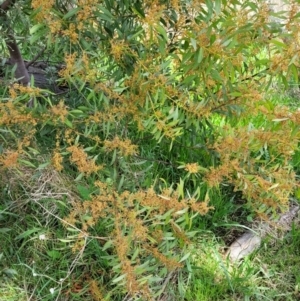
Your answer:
<point x="43" y="165"/>
<point x="66" y="240"/>
<point x="76" y="112"/>
<point x="185" y="257"/>
<point x="27" y="163"/>
<point x="216" y="75"/>
<point x="113" y="159"/>
<point x="180" y="188"/>
<point x="84" y="192"/>
<point x="135" y="254"/>
<point x="121" y="182"/>
<point x="71" y="13"/>
<point x="118" y="279"/>
<point x="278" y="43"/>
<point x="10" y="272"/>
<point x="68" y="123"/>
<point x="35" y="28"/>
<point x="54" y="254"/>
<point x="105" y="14"/>
<point x="137" y="8"/>
<point x="162" y="31"/>
<point x="194" y="43"/>
<point x="27" y="233"/>
<point x="218" y="5"/>
<point x="199" y="55"/>
<point x="107" y="245"/>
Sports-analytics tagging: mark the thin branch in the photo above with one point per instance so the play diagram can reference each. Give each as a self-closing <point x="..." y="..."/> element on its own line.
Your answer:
<point x="36" y="57"/>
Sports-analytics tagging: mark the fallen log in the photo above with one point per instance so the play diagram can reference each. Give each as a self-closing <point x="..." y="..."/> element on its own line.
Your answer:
<point x="251" y="239"/>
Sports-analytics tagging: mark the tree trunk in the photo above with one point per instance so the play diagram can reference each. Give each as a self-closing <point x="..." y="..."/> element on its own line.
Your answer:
<point x="41" y="79"/>
<point x="21" y="72"/>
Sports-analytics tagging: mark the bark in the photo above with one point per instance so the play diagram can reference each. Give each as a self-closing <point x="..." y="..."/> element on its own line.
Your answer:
<point x="21" y="72"/>
<point x="42" y="80"/>
<point x="6" y="5"/>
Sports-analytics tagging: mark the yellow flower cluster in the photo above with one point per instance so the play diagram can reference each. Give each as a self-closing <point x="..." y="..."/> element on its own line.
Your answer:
<point x="44" y="14"/>
<point x="9" y="159"/>
<point x="86" y="12"/>
<point x="192" y="167"/>
<point x="57" y="160"/>
<point x="79" y="66"/>
<point x="154" y="12"/>
<point x="201" y="207"/>
<point x="123" y="146"/>
<point x="70" y="60"/>
<point x="118" y="49"/>
<point x="12" y="114"/>
<point x="80" y="159"/>
<point x="16" y="89"/>
<point x="170" y="263"/>
<point x="43" y="7"/>
<point x="122" y="244"/>
<point x="60" y="111"/>
<point x="71" y="33"/>
<point x="87" y="73"/>
<point x="95" y="290"/>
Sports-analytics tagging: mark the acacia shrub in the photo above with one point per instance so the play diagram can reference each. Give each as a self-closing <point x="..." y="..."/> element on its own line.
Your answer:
<point x="186" y="77"/>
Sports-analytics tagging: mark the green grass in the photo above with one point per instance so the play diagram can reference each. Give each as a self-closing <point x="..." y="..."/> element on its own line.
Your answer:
<point x="271" y="273"/>
<point x="37" y="248"/>
<point x="10" y="291"/>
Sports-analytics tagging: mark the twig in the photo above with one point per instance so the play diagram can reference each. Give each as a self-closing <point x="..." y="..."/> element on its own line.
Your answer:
<point x="166" y="281"/>
<point x="36" y="57"/>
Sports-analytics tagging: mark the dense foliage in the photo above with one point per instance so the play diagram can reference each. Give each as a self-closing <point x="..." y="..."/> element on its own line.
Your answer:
<point x="163" y="106"/>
